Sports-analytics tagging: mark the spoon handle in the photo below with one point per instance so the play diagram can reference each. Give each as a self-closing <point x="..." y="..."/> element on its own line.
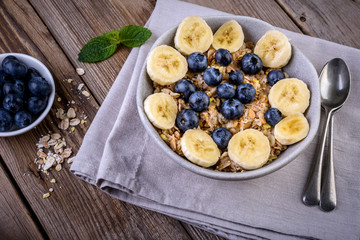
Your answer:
<point x="311" y="194"/>
<point x="328" y="191"/>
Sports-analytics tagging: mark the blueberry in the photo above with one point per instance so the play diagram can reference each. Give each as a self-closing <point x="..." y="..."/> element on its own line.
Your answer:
<point x="8" y="58"/>
<point x="236" y="77"/>
<point x="225" y="90"/>
<point x="212" y="77"/>
<point x="232" y="109"/>
<point x="32" y="72"/>
<point x="185" y="88"/>
<point x="13" y="103"/>
<point x="274" y="76"/>
<point x="245" y="92"/>
<point x="199" y="101"/>
<point x="18" y="87"/>
<point x="251" y="63"/>
<point x="187" y="119"/>
<point x="22" y="119"/>
<point x="221" y="137"/>
<point x="197" y="62"/>
<point x="39" y="86"/>
<point x="14" y="68"/>
<point x="36" y="104"/>
<point x="223" y="57"/>
<point x="6" y="120"/>
<point x="4" y="78"/>
<point x="273" y="116"/>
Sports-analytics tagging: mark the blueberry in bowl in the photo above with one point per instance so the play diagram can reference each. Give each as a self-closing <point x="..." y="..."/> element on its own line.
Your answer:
<point x="251" y="63"/>
<point x="221" y="137"/>
<point x="274" y="76"/>
<point x="197" y="62"/>
<point x="187" y="119"/>
<point x="185" y="88"/>
<point x="199" y="101"/>
<point x="273" y="116"/>
<point x="236" y="77"/>
<point x="212" y="77"/>
<point x="223" y="57"/>
<point x="232" y="109"/>
<point x="27" y="92"/>
<point x="245" y="92"/>
<point x="225" y="90"/>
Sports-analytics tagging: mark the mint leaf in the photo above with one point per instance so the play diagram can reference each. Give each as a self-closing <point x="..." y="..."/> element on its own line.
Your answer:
<point x="97" y="49"/>
<point x="113" y="35"/>
<point x="134" y="36"/>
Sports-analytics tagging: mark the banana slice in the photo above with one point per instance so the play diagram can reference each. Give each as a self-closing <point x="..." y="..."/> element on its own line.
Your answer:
<point x="193" y="35"/>
<point x="199" y="148"/>
<point x="291" y="129"/>
<point x="249" y="148"/>
<point x="165" y="65"/>
<point x="161" y="109"/>
<point x="290" y="95"/>
<point x="229" y="36"/>
<point x="274" y="49"/>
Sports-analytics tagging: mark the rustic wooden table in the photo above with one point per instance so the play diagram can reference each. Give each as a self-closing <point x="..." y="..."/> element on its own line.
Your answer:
<point x="53" y="32"/>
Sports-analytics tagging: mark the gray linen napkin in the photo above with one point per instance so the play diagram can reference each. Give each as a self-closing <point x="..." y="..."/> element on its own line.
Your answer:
<point x="119" y="157"/>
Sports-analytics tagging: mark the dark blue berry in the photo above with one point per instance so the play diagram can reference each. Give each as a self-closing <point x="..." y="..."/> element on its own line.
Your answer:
<point x="251" y="63"/>
<point x="187" y="119"/>
<point x="22" y="119"/>
<point x="18" y="87"/>
<point x="274" y="76"/>
<point x="39" y="86"/>
<point x="221" y="137"/>
<point x="36" y="104"/>
<point x="197" y="62"/>
<point x="13" y="103"/>
<point x="223" y="57"/>
<point x="225" y="90"/>
<point x="236" y="77"/>
<point x="185" y="88"/>
<point x="245" y="92"/>
<point x="232" y="109"/>
<point x="4" y="78"/>
<point x="8" y="58"/>
<point x="199" y="101"/>
<point x="212" y="77"/>
<point x="32" y="72"/>
<point x="6" y="120"/>
<point x="14" y="68"/>
<point x="273" y="116"/>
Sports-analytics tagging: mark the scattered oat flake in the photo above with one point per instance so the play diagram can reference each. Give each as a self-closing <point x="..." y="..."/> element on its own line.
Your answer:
<point x="55" y="136"/>
<point x="70" y="160"/>
<point x="46" y="195"/>
<point x="64" y="124"/>
<point x="72" y="102"/>
<point x="74" y="122"/>
<point x="80" y="71"/>
<point x="85" y="93"/>
<point x="71" y="113"/>
<point x="58" y="167"/>
<point x="51" y="189"/>
<point x="45" y="138"/>
<point x="80" y="86"/>
<point x="53" y="180"/>
<point x="60" y="113"/>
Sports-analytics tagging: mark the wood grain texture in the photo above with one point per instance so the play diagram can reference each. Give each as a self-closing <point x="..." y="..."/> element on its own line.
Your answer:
<point x="15" y="219"/>
<point x="336" y="21"/>
<point x="75" y="210"/>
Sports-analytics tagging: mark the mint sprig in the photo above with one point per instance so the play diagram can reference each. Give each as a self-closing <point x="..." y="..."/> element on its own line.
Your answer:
<point x="104" y="46"/>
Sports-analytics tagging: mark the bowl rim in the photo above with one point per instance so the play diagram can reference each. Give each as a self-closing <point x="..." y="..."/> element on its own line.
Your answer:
<point x="49" y="78"/>
<point x="267" y="169"/>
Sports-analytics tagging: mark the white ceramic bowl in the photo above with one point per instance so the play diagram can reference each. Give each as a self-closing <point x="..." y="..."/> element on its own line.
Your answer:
<point x="299" y="67"/>
<point x="45" y="73"/>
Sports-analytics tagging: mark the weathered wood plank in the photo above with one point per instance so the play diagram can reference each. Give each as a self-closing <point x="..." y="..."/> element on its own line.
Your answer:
<point x="15" y="219"/>
<point x="75" y="210"/>
<point x="336" y="21"/>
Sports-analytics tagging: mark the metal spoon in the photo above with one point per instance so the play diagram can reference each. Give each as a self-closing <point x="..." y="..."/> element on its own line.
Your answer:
<point x="334" y="90"/>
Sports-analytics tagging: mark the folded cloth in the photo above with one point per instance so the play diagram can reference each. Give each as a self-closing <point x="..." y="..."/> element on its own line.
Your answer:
<point x="119" y="157"/>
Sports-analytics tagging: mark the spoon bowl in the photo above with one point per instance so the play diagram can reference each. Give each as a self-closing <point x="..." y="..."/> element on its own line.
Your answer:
<point x="334" y="84"/>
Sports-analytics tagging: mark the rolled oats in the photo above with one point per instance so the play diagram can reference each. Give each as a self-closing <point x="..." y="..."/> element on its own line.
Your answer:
<point x="74" y="122"/>
<point x="71" y="113"/>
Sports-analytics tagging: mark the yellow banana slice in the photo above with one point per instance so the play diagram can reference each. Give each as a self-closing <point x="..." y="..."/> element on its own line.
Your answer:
<point x="165" y="65"/>
<point x="249" y="148"/>
<point x="291" y="129"/>
<point x="229" y="36"/>
<point x="274" y="49"/>
<point x="199" y="148"/>
<point x="290" y="95"/>
<point x="161" y="110"/>
<point x="193" y="35"/>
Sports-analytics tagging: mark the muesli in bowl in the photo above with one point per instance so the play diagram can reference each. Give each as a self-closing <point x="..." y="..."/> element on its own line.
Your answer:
<point x="224" y="101"/>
